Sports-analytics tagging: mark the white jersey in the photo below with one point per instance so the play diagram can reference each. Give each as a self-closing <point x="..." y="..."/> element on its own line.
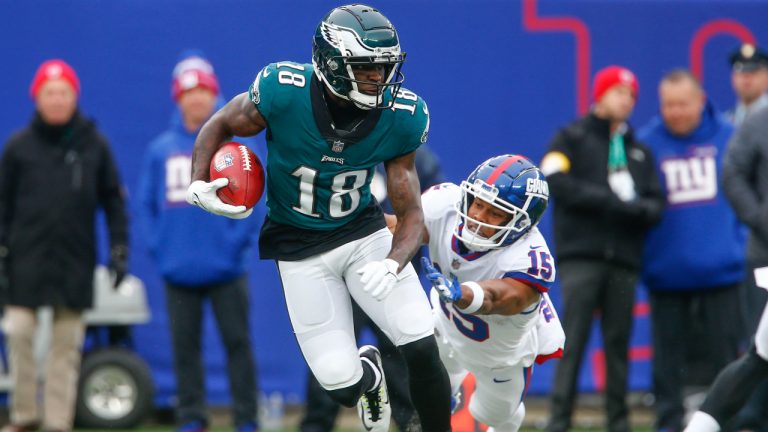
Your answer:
<point x="488" y="340"/>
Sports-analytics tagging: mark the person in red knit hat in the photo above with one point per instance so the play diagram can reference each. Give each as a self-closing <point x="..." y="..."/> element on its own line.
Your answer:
<point x="54" y="70"/>
<point x="193" y="72"/>
<point x="611" y="76"/>
<point x="605" y="194"/>
<point x="199" y="271"/>
<point x="54" y="176"/>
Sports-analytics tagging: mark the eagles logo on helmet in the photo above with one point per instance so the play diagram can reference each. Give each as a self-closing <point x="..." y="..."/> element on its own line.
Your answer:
<point x="510" y="183"/>
<point x="357" y="36"/>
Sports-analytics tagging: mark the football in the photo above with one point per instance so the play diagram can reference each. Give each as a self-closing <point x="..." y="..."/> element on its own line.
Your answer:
<point x="245" y="172"/>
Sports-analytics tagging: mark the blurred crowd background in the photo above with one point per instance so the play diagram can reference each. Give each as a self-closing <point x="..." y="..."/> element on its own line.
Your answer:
<point x="499" y="77"/>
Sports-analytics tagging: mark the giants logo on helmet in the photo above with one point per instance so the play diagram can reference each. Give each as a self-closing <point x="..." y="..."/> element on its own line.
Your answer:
<point x="537" y="187"/>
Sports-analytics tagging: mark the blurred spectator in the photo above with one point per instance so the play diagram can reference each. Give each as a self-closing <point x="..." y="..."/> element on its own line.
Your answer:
<point x="54" y="176"/>
<point x="321" y="410"/>
<point x="694" y="258"/>
<point x="749" y="77"/>
<point x="741" y="182"/>
<point x="198" y="265"/>
<point x="745" y="180"/>
<point x="606" y="194"/>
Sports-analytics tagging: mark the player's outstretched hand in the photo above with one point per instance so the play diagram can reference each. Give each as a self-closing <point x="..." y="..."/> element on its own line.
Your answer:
<point x="379" y="277"/>
<point x="449" y="290"/>
<point x="203" y="194"/>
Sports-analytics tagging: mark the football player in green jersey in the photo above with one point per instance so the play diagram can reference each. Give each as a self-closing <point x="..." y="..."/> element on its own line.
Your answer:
<point x="329" y="124"/>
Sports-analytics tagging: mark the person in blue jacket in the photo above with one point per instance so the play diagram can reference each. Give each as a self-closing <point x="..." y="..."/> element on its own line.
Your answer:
<point x="198" y="264"/>
<point x="694" y="258"/>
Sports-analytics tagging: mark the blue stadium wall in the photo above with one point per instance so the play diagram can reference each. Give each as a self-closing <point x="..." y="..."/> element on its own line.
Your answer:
<point x="499" y="77"/>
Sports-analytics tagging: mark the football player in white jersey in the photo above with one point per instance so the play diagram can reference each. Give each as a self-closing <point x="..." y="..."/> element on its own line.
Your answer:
<point x="491" y="269"/>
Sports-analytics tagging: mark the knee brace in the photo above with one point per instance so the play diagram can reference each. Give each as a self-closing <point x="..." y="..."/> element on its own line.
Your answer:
<point x="350" y="394"/>
<point x="333" y="359"/>
<point x="335" y="371"/>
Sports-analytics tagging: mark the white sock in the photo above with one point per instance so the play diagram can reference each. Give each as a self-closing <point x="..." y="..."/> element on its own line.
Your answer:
<point x="702" y="422"/>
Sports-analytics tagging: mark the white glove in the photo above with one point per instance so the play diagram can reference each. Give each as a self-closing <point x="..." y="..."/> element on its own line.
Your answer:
<point x="623" y="185"/>
<point x="379" y="277"/>
<point x="203" y="195"/>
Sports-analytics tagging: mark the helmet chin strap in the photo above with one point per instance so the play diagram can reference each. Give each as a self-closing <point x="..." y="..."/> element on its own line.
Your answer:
<point x="362" y="101"/>
<point x="474" y="241"/>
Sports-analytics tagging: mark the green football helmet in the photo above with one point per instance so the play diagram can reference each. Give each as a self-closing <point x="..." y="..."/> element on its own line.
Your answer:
<point x="355" y="36"/>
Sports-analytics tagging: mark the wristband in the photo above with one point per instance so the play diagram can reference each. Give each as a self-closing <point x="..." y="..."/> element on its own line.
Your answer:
<point x="477" y="299"/>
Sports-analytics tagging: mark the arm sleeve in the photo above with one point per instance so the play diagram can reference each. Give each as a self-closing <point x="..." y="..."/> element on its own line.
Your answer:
<point x="111" y="198"/>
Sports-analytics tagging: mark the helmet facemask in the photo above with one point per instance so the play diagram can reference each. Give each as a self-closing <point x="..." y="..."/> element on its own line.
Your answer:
<point x="393" y="79"/>
<point x="338" y="50"/>
<point x="518" y="224"/>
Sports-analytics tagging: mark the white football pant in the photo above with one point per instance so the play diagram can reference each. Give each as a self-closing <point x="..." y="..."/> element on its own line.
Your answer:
<point x="498" y="397"/>
<point x="317" y="293"/>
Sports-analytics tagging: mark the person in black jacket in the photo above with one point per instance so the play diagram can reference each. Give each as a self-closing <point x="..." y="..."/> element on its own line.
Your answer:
<point x="54" y="175"/>
<point x="606" y="194"/>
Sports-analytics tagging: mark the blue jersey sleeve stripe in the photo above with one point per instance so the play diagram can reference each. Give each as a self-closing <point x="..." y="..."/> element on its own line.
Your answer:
<point x="537" y="284"/>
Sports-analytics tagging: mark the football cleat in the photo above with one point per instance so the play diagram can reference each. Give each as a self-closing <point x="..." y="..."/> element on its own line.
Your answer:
<point x="373" y="406"/>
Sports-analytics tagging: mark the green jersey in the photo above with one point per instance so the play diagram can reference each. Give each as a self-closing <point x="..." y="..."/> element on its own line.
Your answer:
<point x="318" y="176"/>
